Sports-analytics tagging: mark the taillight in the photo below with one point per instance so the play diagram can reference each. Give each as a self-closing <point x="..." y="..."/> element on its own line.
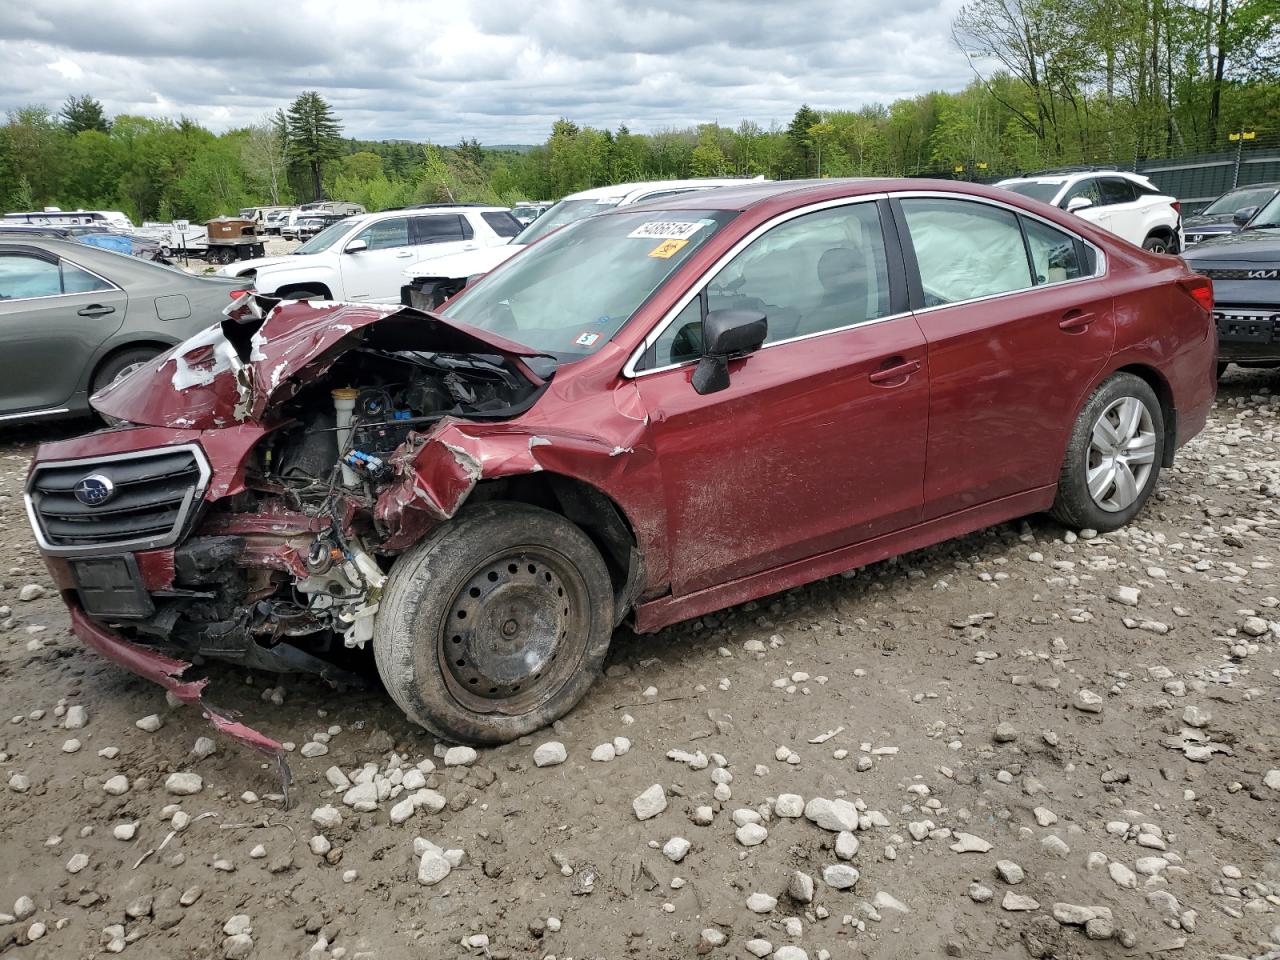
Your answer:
<point x="1177" y="207"/>
<point x="237" y="294"/>
<point x="1199" y="289"/>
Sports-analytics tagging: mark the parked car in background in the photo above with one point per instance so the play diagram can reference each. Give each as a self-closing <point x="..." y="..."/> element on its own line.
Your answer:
<point x="647" y="416"/>
<point x="75" y="318"/>
<point x="275" y="220"/>
<point x="93" y="236"/>
<point x="1245" y="270"/>
<point x="1229" y="212"/>
<point x="526" y="213"/>
<point x="1127" y="204"/>
<point x="363" y="258"/>
<point x="344" y="207"/>
<point x="428" y="283"/>
<point x="313" y="223"/>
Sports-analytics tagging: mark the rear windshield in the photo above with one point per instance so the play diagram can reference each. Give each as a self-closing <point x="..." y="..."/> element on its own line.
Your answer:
<point x="1042" y="190"/>
<point x="566" y="211"/>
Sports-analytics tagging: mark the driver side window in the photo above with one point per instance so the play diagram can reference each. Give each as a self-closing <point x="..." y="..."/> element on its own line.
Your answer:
<point x="815" y="273"/>
<point x="386" y="234"/>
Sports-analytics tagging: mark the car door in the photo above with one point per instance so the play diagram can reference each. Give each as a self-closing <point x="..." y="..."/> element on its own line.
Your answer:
<point x="54" y="314"/>
<point x="440" y="234"/>
<point x="819" y="439"/>
<point x="373" y="273"/>
<point x="1018" y="323"/>
<point x="1097" y="212"/>
<point x="1125" y="209"/>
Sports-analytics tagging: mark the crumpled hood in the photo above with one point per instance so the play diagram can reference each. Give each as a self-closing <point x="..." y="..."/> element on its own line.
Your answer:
<point x="234" y="371"/>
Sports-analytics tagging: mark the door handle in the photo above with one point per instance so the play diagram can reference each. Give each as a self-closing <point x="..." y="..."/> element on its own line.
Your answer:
<point x="404" y="253"/>
<point x="895" y="368"/>
<point x="1074" y="320"/>
<point x="471" y="246"/>
<point x="95" y="310"/>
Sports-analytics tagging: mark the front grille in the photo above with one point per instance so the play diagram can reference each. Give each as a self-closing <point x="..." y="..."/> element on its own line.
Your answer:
<point x="1263" y="273"/>
<point x="152" y="497"/>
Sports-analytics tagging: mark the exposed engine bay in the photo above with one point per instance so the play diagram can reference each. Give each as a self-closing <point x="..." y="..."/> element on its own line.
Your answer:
<point x="287" y="573"/>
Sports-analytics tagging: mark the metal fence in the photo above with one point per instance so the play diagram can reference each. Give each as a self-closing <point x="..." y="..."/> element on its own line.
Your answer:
<point x="1197" y="180"/>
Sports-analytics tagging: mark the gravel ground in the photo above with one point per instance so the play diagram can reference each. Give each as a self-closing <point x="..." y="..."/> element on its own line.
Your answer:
<point x="1028" y="742"/>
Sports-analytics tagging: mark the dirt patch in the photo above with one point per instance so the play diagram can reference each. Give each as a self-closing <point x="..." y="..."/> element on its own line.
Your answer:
<point x="938" y="695"/>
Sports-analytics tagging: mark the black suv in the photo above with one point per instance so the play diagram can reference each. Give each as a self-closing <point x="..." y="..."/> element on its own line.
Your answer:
<point x="1245" y="269"/>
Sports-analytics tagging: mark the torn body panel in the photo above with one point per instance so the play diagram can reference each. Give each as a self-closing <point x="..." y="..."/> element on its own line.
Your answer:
<point x="167" y="672"/>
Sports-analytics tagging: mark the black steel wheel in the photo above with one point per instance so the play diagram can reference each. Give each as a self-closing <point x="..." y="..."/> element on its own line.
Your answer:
<point x="496" y="624"/>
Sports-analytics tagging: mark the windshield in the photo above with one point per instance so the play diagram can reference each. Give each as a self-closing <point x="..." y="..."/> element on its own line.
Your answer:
<point x="325" y="239"/>
<point x="566" y="211"/>
<point x="570" y="294"/>
<point x="1044" y="190"/>
<point x="1268" y="216"/>
<point x="1238" y="200"/>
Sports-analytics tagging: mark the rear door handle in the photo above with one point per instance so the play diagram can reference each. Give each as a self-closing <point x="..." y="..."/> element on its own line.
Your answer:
<point x="1075" y="320"/>
<point x="95" y="310"/>
<point x="895" y="368"/>
<point x="404" y="253"/>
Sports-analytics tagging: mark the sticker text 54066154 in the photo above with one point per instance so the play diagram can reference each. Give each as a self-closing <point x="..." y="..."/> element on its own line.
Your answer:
<point x="665" y="230"/>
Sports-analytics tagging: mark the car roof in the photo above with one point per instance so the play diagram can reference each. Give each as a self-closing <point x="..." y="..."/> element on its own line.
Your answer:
<point x="623" y="190"/>
<point x="749" y="193"/>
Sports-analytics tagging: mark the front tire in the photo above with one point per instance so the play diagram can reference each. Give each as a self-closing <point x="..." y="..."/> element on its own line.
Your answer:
<point x="1113" y="457"/>
<point x="495" y="625"/>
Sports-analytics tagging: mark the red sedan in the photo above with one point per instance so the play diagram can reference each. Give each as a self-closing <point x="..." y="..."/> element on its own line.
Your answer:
<point x="648" y="415"/>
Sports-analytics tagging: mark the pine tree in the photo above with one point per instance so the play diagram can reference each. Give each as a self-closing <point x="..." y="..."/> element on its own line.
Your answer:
<point x="84" y="113"/>
<point x="314" y="136"/>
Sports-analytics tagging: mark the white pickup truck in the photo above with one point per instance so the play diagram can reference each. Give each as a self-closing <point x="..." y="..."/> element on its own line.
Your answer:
<point x="363" y="258"/>
<point x="432" y="280"/>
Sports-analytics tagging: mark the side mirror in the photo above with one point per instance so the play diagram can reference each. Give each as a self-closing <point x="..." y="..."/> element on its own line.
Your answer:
<point x="355" y="246"/>
<point x="1244" y="215"/>
<point x="1078" y="203"/>
<point x="726" y="334"/>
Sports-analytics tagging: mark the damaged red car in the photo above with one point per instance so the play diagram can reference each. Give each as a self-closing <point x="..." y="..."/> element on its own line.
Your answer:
<point x="646" y="416"/>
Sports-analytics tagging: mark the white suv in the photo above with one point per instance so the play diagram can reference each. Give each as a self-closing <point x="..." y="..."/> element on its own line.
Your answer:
<point x="363" y="258"/>
<point x="1127" y="204"/>
<point x="435" y="278"/>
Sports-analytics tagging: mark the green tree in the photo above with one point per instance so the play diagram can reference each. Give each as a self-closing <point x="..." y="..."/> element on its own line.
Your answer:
<point x="84" y="113"/>
<point x="313" y="136"/>
<point x="265" y="154"/>
<point x="707" y="159"/>
<point x="800" y="161"/>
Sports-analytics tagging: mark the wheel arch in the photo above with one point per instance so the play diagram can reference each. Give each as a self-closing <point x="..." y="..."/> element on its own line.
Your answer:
<point x="160" y="346"/>
<point x="1165" y="232"/>
<point x="589" y="508"/>
<point x="1164" y="393"/>
<point x="284" y="290"/>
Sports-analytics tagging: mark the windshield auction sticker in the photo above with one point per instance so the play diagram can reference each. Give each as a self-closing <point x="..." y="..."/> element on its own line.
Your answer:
<point x="668" y="249"/>
<point x="665" y="230"/>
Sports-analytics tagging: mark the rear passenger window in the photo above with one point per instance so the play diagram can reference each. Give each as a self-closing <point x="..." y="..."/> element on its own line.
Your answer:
<point x="75" y="280"/>
<point x="440" y="229"/>
<point x="965" y="250"/>
<point x="1054" y="255"/>
<point x="502" y="223"/>
<point x="1116" y="190"/>
<point x="23" y="277"/>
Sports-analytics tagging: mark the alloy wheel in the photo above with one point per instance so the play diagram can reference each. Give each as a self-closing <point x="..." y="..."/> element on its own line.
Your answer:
<point x="1122" y="453"/>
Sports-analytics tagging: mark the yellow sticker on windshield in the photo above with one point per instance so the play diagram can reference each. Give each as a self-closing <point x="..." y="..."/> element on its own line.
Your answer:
<point x="667" y="249"/>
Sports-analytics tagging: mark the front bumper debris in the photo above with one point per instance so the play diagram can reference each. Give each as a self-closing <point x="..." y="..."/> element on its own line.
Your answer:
<point x="167" y="672"/>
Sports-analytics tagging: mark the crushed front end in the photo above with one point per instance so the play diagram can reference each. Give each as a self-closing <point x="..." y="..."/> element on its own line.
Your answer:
<point x="264" y="475"/>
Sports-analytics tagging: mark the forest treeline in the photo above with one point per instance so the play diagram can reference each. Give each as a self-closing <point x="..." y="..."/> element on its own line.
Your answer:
<point x="1055" y="82"/>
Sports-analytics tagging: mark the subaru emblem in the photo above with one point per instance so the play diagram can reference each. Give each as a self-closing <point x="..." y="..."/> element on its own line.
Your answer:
<point x="94" y="490"/>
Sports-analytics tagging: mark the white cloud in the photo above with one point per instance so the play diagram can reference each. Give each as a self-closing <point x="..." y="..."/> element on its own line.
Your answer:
<point x="499" y="72"/>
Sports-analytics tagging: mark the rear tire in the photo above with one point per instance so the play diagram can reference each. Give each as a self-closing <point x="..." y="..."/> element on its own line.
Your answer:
<point x="495" y="625"/>
<point x="1159" y="244"/>
<point x="1113" y="458"/>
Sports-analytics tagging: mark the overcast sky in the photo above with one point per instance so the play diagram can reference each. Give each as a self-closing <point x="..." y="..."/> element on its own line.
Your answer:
<point x="440" y="70"/>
